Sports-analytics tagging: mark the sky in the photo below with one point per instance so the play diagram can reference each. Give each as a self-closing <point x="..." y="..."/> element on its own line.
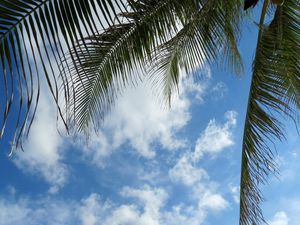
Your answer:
<point x="149" y="165"/>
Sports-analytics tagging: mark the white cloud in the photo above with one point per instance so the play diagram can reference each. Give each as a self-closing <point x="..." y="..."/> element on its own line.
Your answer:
<point x="287" y="209"/>
<point x="198" y="89"/>
<point x="32" y="212"/>
<point x="235" y="191"/>
<point x="140" y="120"/>
<point x="145" y="205"/>
<point x="215" y="137"/>
<point x="280" y="218"/>
<point x="12" y="213"/>
<point x="219" y="91"/>
<point x="182" y="214"/>
<point x="125" y="214"/>
<point x="90" y="210"/>
<point x="213" y="140"/>
<point x="44" y="147"/>
<point x="205" y="199"/>
<point x="152" y="198"/>
<point x="96" y="148"/>
<point x="187" y="173"/>
<point x="147" y="211"/>
<point x="148" y="208"/>
<point x="213" y="201"/>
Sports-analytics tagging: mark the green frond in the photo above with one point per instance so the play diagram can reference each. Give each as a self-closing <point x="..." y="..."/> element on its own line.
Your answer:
<point x="106" y="65"/>
<point x="150" y="37"/>
<point x="275" y="91"/>
<point x="209" y="32"/>
<point x="34" y="36"/>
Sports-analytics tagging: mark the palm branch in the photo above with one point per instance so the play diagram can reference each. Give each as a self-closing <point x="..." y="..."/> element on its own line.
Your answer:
<point x="32" y="32"/>
<point x="153" y="27"/>
<point x="274" y="91"/>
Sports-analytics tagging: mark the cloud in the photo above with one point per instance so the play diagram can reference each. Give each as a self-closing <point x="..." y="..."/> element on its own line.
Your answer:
<point x="198" y="89"/>
<point x="44" y="148"/>
<point x="151" y="198"/>
<point x="280" y="206"/>
<point x="145" y="205"/>
<point x="235" y="191"/>
<point x="31" y="212"/>
<point x="147" y="211"/>
<point x="90" y="210"/>
<point x="219" y="91"/>
<point x="187" y="173"/>
<point x="142" y="121"/>
<point x="138" y="119"/>
<point x="205" y="199"/>
<point x="280" y="218"/>
<point x="96" y="149"/>
<point x="215" y="137"/>
<point x="212" y="201"/>
<point x="87" y="211"/>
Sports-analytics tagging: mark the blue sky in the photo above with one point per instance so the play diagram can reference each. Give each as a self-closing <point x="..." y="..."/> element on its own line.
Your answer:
<point x="149" y="165"/>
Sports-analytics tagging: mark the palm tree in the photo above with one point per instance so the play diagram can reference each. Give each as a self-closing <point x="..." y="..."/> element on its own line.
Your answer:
<point x="87" y="50"/>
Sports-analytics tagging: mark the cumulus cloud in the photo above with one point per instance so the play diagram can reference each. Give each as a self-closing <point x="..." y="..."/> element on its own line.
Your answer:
<point x="31" y="212"/>
<point x="147" y="211"/>
<point x="280" y="218"/>
<point x="187" y="173"/>
<point x="216" y="137"/>
<point x="205" y="199"/>
<point x="96" y="148"/>
<point x="287" y="209"/>
<point x="212" y="201"/>
<point x="213" y="140"/>
<point x="198" y="89"/>
<point x="44" y="148"/>
<point x="145" y="205"/>
<point x="235" y="191"/>
<point x="90" y="210"/>
<point x="140" y="120"/>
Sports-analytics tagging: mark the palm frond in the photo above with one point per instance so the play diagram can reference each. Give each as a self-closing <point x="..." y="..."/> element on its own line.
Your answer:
<point x="110" y="57"/>
<point x="34" y="36"/>
<point x="209" y="32"/>
<point x="275" y="91"/>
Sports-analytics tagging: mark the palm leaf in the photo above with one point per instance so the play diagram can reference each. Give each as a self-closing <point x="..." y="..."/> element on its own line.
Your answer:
<point x="209" y="32"/>
<point x="32" y="33"/>
<point x="150" y="36"/>
<point x="110" y="56"/>
<point x="275" y="91"/>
